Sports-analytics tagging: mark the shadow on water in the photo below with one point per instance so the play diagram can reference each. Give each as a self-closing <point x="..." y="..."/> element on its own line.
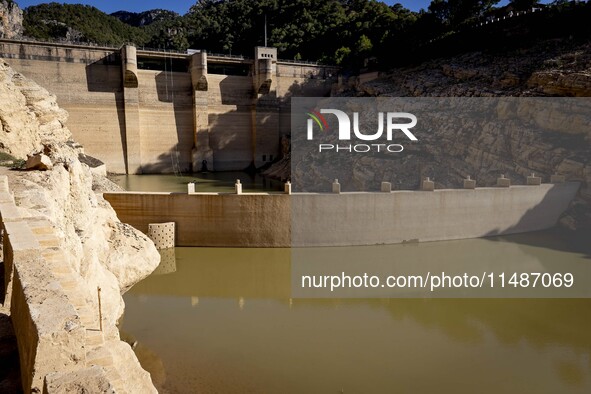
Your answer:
<point x="556" y="238"/>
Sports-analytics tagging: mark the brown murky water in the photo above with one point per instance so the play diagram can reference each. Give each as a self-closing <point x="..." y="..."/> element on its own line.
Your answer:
<point x="221" y="182"/>
<point x="222" y="321"/>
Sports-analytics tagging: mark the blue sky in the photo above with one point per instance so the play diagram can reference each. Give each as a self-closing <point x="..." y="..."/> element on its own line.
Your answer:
<point x="182" y="6"/>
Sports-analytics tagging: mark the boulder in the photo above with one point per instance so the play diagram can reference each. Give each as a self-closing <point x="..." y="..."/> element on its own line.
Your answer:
<point x="39" y="162"/>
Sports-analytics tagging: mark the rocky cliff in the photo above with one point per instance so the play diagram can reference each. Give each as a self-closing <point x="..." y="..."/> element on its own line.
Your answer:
<point x="144" y="18"/>
<point x="11" y="19"/>
<point x="102" y="251"/>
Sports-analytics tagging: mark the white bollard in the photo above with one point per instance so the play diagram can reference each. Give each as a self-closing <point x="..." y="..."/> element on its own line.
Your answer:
<point x="427" y="185"/>
<point x="336" y="186"/>
<point x="503" y="182"/>
<point x="469" y="183"/>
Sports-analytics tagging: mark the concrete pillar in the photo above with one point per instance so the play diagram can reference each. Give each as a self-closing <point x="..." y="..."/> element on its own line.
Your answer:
<point x="555" y="178"/>
<point x="427" y="185"/>
<point x="129" y="57"/>
<point x="201" y="152"/>
<point x="534" y="180"/>
<point x="287" y="187"/>
<point x="386" y="187"/>
<point x="469" y="183"/>
<point x="503" y="182"/>
<point x="264" y="70"/>
<point x="162" y="234"/>
<point x="199" y="71"/>
<point x="265" y="106"/>
<point x="238" y="187"/>
<point x="336" y="186"/>
<point x="191" y="187"/>
<point x="133" y="156"/>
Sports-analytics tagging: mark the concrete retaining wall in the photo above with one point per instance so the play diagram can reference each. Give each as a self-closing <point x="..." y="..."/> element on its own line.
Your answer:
<point x="281" y="220"/>
<point x="417" y="216"/>
<point x="247" y="220"/>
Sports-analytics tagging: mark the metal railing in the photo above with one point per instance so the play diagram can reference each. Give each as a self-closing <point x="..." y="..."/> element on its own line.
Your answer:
<point x="310" y="62"/>
<point x="60" y="42"/>
<point x="163" y="50"/>
<point x="147" y="49"/>
<point x="229" y="56"/>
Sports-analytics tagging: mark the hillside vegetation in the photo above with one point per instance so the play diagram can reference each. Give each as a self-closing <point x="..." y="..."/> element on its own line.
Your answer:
<point x="353" y="33"/>
<point x="75" y="22"/>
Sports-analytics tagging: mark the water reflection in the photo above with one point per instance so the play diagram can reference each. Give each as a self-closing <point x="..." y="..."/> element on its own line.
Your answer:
<point x="224" y="322"/>
<point x="167" y="262"/>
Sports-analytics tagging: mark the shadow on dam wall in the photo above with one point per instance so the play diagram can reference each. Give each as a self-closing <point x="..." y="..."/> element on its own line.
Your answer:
<point x="237" y="90"/>
<point x="180" y="95"/>
<point x="240" y="136"/>
<point x="244" y="128"/>
<point x="557" y="238"/>
<point x="105" y="76"/>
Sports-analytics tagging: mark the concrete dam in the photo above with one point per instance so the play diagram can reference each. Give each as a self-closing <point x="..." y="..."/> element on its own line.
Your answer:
<point x="145" y="111"/>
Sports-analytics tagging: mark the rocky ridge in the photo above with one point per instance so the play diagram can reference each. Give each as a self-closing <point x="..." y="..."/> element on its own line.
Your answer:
<point x="145" y="18"/>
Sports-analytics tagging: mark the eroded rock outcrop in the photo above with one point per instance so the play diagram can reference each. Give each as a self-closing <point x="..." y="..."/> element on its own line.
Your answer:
<point x="11" y="19"/>
<point x="99" y="249"/>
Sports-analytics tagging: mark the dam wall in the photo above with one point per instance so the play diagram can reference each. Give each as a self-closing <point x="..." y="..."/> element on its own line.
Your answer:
<point x="286" y="220"/>
<point x="143" y="111"/>
<point x="61" y="345"/>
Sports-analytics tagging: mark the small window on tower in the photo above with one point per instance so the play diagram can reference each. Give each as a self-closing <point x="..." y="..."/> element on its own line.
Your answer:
<point x="264" y="157"/>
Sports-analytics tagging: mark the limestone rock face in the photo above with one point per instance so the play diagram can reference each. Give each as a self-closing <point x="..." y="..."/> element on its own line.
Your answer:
<point x="103" y="251"/>
<point x="11" y="19"/>
<point x="29" y="116"/>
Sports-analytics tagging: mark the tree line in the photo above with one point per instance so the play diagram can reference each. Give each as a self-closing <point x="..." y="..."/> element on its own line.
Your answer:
<point x="350" y="33"/>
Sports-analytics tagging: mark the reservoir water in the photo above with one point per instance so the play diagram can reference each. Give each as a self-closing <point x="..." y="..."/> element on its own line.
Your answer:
<point x="222" y="321"/>
<point x="221" y="182"/>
